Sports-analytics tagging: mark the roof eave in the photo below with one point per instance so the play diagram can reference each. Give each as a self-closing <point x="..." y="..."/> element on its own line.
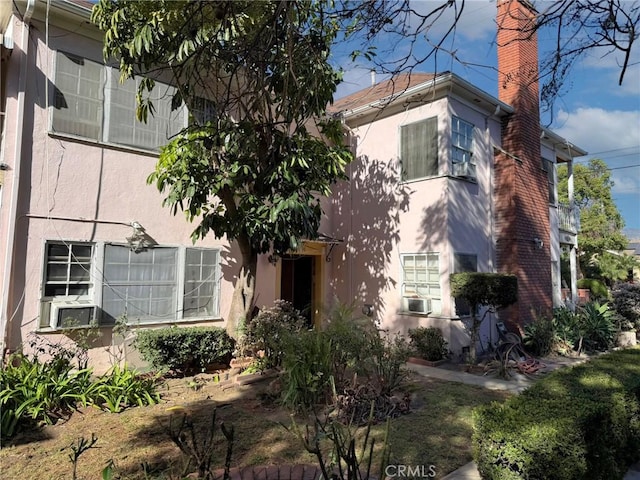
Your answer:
<point x="500" y="108"/>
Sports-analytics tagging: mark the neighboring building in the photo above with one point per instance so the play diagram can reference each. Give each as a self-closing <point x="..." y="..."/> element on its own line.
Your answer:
<point x="446" y="179"/>
<point x="449" y="179"/>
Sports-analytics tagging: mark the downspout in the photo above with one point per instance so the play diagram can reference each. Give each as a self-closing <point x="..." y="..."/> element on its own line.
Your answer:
<point x="5" y="314"/>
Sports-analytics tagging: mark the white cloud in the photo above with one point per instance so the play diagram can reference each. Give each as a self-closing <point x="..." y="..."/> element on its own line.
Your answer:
<point x="613" y="135"/>
<point x="477" y="20"/>
<point x="598" y="130"/>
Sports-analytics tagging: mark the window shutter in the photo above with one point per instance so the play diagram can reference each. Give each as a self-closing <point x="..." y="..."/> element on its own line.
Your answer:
<point x="419" y="149"/>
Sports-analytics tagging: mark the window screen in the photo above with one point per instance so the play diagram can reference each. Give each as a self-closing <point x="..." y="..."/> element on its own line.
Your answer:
<point x="201" y="283"/>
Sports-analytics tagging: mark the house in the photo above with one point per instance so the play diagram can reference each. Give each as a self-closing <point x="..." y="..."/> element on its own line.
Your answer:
<point x="447" y="178"/>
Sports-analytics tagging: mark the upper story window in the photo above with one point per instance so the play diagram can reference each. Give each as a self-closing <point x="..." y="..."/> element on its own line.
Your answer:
<point x="462" y="148"/>
<point x="549" y="167"/>
<point x="90" y="102"/>
<point x="421" y="283"/>
<point x="419" y="149"/>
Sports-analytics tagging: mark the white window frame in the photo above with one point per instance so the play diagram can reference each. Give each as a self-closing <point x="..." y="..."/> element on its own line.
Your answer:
<point x="411" y="287"/>
<point x="95" y="296"/>
<point x="462" y="141"/>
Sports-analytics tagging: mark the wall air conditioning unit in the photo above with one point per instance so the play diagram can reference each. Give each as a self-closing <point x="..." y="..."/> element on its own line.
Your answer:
<point x="72" y="313"/>
<point x="416" y="305"/>
<point x="464" y="170"/>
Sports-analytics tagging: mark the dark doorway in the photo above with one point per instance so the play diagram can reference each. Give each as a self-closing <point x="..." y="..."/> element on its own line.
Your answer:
<point x="297" y="283"/>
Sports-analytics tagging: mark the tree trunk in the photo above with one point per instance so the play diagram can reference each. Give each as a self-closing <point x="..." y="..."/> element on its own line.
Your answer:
<point x="242" y="300"/>
<point x="475" y="334"/>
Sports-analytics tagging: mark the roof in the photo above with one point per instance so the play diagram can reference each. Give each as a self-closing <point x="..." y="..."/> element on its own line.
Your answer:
<point x="389" y="88"/>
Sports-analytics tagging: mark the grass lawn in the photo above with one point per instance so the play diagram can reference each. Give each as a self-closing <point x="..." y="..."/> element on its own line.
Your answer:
<point x="437" y="432"/>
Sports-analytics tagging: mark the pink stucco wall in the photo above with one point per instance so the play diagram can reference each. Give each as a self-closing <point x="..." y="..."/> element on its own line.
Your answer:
<point x="382" y="218"/>
<point x="79" y="191"/>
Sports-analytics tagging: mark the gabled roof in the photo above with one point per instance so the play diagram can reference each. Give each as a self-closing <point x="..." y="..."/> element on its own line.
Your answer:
<point x="388" y="88"/>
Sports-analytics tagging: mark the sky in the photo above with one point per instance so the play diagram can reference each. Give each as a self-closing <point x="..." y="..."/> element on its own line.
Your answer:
<point x="593" y="113"/>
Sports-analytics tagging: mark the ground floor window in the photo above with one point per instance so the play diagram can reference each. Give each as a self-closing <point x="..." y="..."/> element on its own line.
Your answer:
<point x="421" y="283"/>
<point x="102" y="282"/>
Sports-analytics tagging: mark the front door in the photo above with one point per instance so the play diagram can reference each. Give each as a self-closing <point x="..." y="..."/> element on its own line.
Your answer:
<point x="297" y="283"/>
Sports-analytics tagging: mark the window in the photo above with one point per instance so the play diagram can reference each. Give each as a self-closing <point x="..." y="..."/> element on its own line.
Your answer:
<point x="90" y="102"/>
<point x="421" y="280"/>
<point x="462" y="148"/>
<point x="200" y="283"/>
<point x="160" y="284"/>
<point x="145" y="285"/>
<point x="463" y="262"/>
<point x="549" y="167"/>
<point x="141" y="285"/>
<point x="461" y="140"/>
<point x="68" y="269"/>
<point x="419" y="149"/>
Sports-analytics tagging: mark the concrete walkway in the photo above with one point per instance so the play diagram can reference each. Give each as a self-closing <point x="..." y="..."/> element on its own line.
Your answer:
<point x="517" y="384"/>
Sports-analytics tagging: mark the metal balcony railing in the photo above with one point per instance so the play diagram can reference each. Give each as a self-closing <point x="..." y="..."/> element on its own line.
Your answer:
<point x="568" y="218"/>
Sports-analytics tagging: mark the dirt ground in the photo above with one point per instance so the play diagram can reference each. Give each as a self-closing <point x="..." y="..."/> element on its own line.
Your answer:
<point x="140" y="435"/>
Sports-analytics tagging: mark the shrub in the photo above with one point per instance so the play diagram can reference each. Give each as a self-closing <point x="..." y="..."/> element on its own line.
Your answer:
<point x="565" y="324"/>
<point x="428" y="343"/>
<point x="597" y="326"/>
<point x="539" y="337"/>
<point x="34" y="391"/>
<point x="598" y="289"/>
<point x="122" y="387"/>
<point x="626" y="302"/>
<point x="184" y="349"/>
<point x="271" y="329"/>
<point x="537" y="435"/>
<point x="307" y="366"/>
<point x="383" y="365"/>
<point x="494" y="290"/>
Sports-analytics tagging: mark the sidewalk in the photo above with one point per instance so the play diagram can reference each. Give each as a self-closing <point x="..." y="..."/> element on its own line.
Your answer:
<point x="517" y="384"/>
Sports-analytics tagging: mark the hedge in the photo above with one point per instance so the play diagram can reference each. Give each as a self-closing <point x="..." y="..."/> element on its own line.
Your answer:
<point x="184" y="349"/>
<point x="577" y="423"/>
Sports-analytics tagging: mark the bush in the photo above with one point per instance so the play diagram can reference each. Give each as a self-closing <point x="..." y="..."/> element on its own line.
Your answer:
<point x="349" y="334"/>
<point x="270" y="331"/>
<point x="577" y="423"/>
<point x="540" y="337"/>
<point x="121" y="388"/>
<point x="307" y="366"/>
<point x="184" y="350"/>
<point x="597" y="326"/>
<point x="428" y="343"/>
<point x="626" y="302"/>
<point x="34" y="392"/>
<point x="598" y="289"/>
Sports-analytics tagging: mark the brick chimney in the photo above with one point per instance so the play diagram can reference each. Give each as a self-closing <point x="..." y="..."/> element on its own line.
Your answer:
<point x="521" y="188"/>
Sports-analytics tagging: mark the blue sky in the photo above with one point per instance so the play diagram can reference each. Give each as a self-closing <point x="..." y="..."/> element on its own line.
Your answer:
<point x="594" y="113"/>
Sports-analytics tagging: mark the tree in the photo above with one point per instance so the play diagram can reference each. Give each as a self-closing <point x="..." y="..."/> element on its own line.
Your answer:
<point x="601" y="223"/>
<point x="255" y="171"/>
<point x="493" y="290"/>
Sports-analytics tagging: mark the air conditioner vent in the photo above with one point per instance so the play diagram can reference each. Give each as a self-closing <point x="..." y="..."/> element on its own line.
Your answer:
<point x="464" y="170"/>
<point x="416" y="305"/>
<point x="72" y="313"/>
